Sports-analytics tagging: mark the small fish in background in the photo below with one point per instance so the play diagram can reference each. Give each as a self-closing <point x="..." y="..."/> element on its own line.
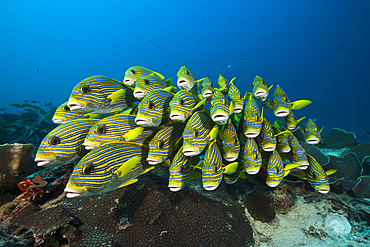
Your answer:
<point x="198" y="132"/>
<point x="316" y="176"/>
<point x="207" y="88"/>
<point x="220" y="110"/>
<point x="252" y="118"/>
<point x="100" y="94"/>
<point x="290" y="121"/>
<point x="260" y="89"/>
<point x="2" y="109"/>
<point x="245" y="60"/>
<point x="16" y="105"/>
<point x="311" y="134"/>
<point x="37" y="71"/>
<point x="252" y="157"/>
<point x="134" y="73"/>
<point x="182" y="170"/>
<point x="230" y="142"/>
<point x="222" y="85"/>
<point x="281" y="104"/>
<point x="106" y="168"/>
<point x="183" y="104"/>
<point x="149" y="83"/>
<point x="341" y="48"/>
<point x="63" y="145"/>
<point x="235" y="98"/>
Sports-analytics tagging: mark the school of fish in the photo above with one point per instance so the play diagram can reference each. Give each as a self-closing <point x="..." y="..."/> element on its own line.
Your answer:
<point x="115" y="131"/>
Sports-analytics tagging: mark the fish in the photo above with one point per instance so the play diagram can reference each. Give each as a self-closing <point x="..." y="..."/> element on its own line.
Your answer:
<point x="149" y="83"/>
<point x="198" y="132"/>
<point x="100" y="94"/>
<point x="230" y="142"/>
<point x="16" y="105"/>
<point x="235" y="98"/>
<point x="153" y="109"/>
<point x="260" y="89"/>
<point x="165" y="142"/>
<point x="267" y="137"/>
<point x="106" y="168"/>
<point x="275" y="170"/>
<point x="252" y="157"/>
<point x="281" y="104"/>
<point x="290" y="121"/>
<point x="222" y="85"/>
<point x="220" y="110"/>
<point x="298" y="153"/>
<point x="282" y="143"/>
<point x="134" y="73"/>
<point x="233" y="178"/>
<point x="117" y="128"/>
<point x="64" y="114"/>
<point x="63" y="145"/>
<point x="186" y="81"/>
<point x="311" y="134"/>
<point x="213" y="169"/>
<point x="207" y="88"/>
<point x="37" y="70"/>
<point x="182" y="170"/>
<point x="316" y="176"/>
<point x="183" y="104"/>
<point x="252" y="119"/>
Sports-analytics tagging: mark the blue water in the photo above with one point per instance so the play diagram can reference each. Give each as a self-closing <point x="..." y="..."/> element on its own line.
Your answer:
<point x="317" y="50"/>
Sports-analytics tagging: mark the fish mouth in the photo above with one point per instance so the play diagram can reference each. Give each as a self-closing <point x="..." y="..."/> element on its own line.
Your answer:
<point x="207" y="94"/>
<point x="44" y="161"/>
<point x="139" y="94"/>
<point x="58" y="120"/>
<point x="72" y="194"/>
<point x="303" y="167"/>
<point x="230" y="158"/>
<point x="272" y="184"/>
<point x="152" y="161"/>
<point x="128" y="82"/>
<point x="176" y="116"/>
<point x="210" y="187"/>
<point x="189" y="152"/>
<point x="285" y="150"/>
<point x="182" y="82"/>
<point x="268" y="148"/>
<point x="324" y="191"/>
<point x="312" y="141"/>
<point x="281" y="113"/>
<point x="251" y="134"/>
<point x="260" y="94"/>
<point x="141" y="121"/>
<point x="174" y="188"/>
<point x="220" y="118"/>
<point x="73" y="106"/>
<point x="291" y="127"/>
<point x="252" y="172"/>
<point x="238" y="110"/>
<point x="89" y="146"/>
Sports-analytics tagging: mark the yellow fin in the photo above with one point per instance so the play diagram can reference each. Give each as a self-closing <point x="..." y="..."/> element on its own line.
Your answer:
<point x="321" y="129"/>
<point x="302" y="175"/>
<point x="242" y="175"/>
<point x="299" y="104"/>
<point x="330" y="172"/>
<point x="116" y="95"/>
<point x="232" y="80"/>
<point x="126" y="167"/>
<point x="148" y="169"/>
<point x="166" y="163"/>
<point x="128" y="183"/>
<point x="231" y="168"/>
<point x="286" y="172"/>
<point x="221" y="134"/>
<point x="231" y="107"/>
<point x="160" y="75"/>
<point x="198" y="166"/>
<point x="133" y="133"/>
<point x="270" y="87"/>
<point x="300" y="119"/>
<point x="291" y="166"/>
<point x="93" y="115"/>
<point x="283" y="132"/>
<point x="169" y="89"/>
<point x="247" y="94"/>
<point x="213" y="133"/>
<point x="199" y="104"/>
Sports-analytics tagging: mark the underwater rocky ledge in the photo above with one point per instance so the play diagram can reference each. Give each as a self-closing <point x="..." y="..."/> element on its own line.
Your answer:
<point x="147" y="213"/>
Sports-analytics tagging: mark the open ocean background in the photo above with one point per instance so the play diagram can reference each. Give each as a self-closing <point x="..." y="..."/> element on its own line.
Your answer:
<point x="316" y="50"/>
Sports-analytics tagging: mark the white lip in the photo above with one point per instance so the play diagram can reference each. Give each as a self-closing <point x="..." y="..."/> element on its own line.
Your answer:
<point x="139" y="94"/>
<point x="189" y="152"/>
<point x="286" y="150"/>
<point x="207" y="94"/>
<point x="272" y="185"/>
<point x="269" y="148"/>
<point x="152" y="162"/>
<point x="89" y="146"/>
<point x="175" y="116"/>
<point x="291" y="127"/>
<point x="174" y="189"/>
<point x="324" y="191"/>
<point x="260" y="93"/>
<point x="231" y="158"/>
<point x="210" y="187"/>
<point x="42" y="162"/>
<point x="282" y="113"/>
<point x="251" y="134"/>
<point x="238" y="110"/>
<point x="74" y="105"/>
<point x="302" y="167"/>
<point x="141" y="121"/>
<point x="312" y="141"/>
<point x="58" y="120"/>
<point x="252" y="172"/>
<point x="182" y="82"/>
<point x="128" y="82"/>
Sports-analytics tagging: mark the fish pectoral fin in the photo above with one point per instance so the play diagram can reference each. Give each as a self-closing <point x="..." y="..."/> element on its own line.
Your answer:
<point x="267" y="106"/>
<point x="291" y="166"/>
<point x="169" y="82"/>
<point x="330" y="172"/>
<point x="133" y="133"/>
<point x="231" y="168"/>
<point x="247" y="94"/>
<point x="231" y="107"/>
<point x="169" y="89"/>
<point x="242" y="175"/>
<point x="114" y="97"/>
<point x="126" y="167"/>
<point x="299" y="104"/>
<point x="128" y="183"/>
<point x="300" y="119"/>
<point x="148" y="169"/>
<point x="166" y="163"/>
<point x="286" y="172"/>
<point x="302" y="130"/>
<point x="302" y="175"/>
<point x="213" y="133"/>
<point x="200" y="103"/>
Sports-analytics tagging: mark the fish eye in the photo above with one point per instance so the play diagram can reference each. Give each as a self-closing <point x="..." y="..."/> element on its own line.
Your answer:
<point x="146" y="81"/>
<point x="151" y="105"/>
<point x="182" y="169"/>
<point x="161" y="144"/>
<point x="181" y="102"/>
<point x="196" y="133"/>
<point x="101" y="129"/>
<point x="54" y="141"/>
<point x="187" y="72"/>
<point x="66" y="108"/>
<point x="85" y="89"/>
<point x="236" y="142"/>
<point x="132" y="72"/>
<point x="87" y="170"/>
<point x="263" y="82"/>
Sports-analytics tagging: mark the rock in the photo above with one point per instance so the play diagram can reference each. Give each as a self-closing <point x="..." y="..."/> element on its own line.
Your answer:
<point x="338" y="139"/>
<point x="14" y="157"/>
<point x="362" y="188"/>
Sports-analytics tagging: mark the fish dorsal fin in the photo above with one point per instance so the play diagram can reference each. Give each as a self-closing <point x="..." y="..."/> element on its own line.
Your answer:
<point x="199" y="104"/>
<point x="321" y="129"/>
<point x="231" y="168"/>
<point x="270" y="87"/>
<point x="169" y="89"/>
<point x="158" y="74"/>
<point x="126" y="167"/>
<point x="114" y="97"/>
<point x="300" y="119"/>
<point x="213" y="133"/>
<point x="276" y="124"/>
<point x="330" y="172"/>
<point x="299" y="104"/>
<point x="128" y="183"/>
<point x="133" y="133"/>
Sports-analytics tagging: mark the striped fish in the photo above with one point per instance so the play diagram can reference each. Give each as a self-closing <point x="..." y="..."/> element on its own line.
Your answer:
<point x="260" y="89"/>
<point x="275" y="170"/>
<point x="115" y="129"/>
<point x="212" y="168"/>
<point x="133" y="74"/>
<point x="207" y="88"/>
<point x="149" y="83"/>
<point x="185" y="79"/>
<point x="311" y="134"/>
<point x="316" y="176"/>
<point x="252" y="157"/>
<point x="252" y="119"/>
<point x="220" y="111"/>
<point x="63" y="145"/>
<point x="100" y="94"/>
<point x="198" y="132"/>
<point x="298" y="153"/>
<point x="282" y="143"/>
<point x="230" y="142"/>
<point x="290" y="121"/>
<point x="222" y="85"/>
<point x="182" y="105"/>
<point x="233" y="178"/>
<point x="165" y="142"/>
<point x="235" y="97"/>
<point x="182" y="170"/>
<point x="108" y="167"/>
<point x="152" y="110"/>
<point x="267" y="137"/>
<point x="282" y="105"/>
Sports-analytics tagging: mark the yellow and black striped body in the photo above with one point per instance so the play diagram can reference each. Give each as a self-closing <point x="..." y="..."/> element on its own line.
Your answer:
<point x="298" y="153"/>
<point x="185" y="79"/>
<point x="252" y="157"/>
<point x="63" y="144"/>
<point x="91" y="95"/>
<point x="181" y="170"/>
<point x="212" y="170"/>
<point x="207" y="88"/>
<point x="219" y="111"/>
<point x="260" y="89"/>
<point x="196" y="133"/>
<point x="181" y="106"/>
<point x="152" y="110"/>
<point x="134" y="73"/>
<point x="281" y="105"/>
<point x="222" y="84"/>
<point x="316" y="176"/>
<point x="165" y="142"/>
<point x="147" y="84"/>
<point x="252" y="119"/>
<point x="267" y="137"/>
<point x="282" y="143"/>
<point x="235" y="98"/>
<point x="97" y="171"/>
<point x="275" y="170"/>
<point x="311" y="133"/>
<point x="64" y="114"/>
<point x="230" y="142"/>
